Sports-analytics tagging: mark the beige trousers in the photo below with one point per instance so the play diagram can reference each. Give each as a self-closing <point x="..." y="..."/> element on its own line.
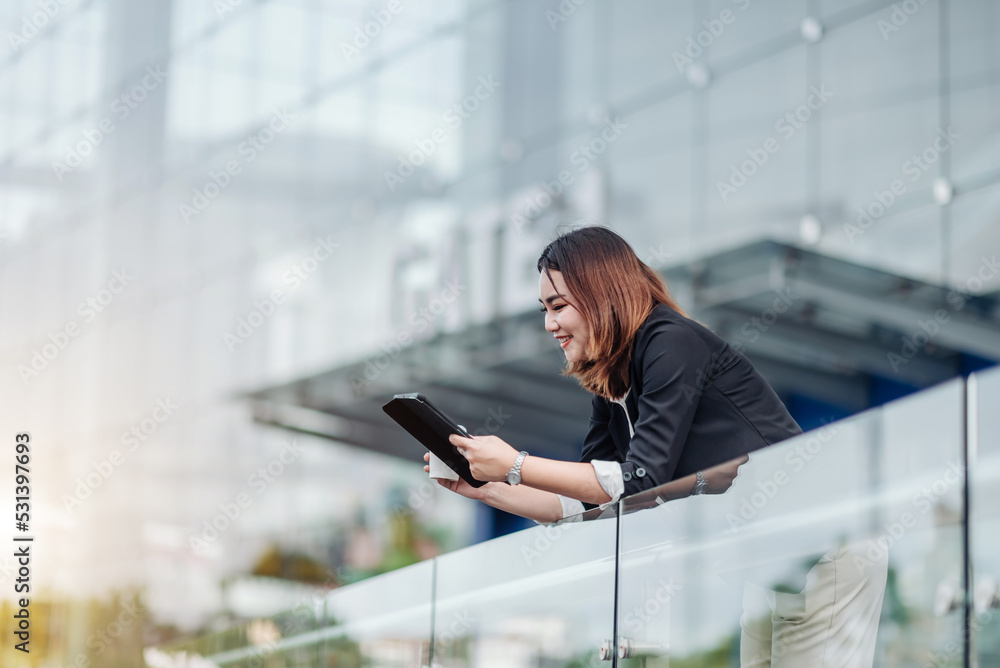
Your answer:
<point x="831" y="623"/>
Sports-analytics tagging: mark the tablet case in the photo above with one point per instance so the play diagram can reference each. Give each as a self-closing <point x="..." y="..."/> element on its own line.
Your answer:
<point x="414" y="413"/>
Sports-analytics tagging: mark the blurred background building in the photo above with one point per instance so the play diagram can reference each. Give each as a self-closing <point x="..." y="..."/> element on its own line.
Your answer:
<point x="231" y="229"/>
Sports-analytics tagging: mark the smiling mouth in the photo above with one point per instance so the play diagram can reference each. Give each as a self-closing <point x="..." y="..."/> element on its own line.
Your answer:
<point x="563" y="342"/>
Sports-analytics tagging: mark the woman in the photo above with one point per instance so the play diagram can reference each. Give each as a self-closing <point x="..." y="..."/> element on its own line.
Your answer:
<point x="670" y="397"/>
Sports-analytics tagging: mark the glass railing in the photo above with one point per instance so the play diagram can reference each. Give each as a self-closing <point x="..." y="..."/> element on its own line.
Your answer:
<point x="984" y="516"/>
<point x="535" y="597"/>
<point x="824" y="550"/>
<point x="844" y="546"/>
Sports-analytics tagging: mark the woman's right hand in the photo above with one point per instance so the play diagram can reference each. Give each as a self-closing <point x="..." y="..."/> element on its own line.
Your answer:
<point x="459" y="486"/>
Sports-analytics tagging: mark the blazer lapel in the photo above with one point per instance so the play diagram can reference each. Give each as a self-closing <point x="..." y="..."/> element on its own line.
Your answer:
<point x="615" y="425"/>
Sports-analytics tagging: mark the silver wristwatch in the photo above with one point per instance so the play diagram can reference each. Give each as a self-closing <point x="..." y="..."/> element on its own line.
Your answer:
<point x="700" y="484"/>
<point x="514" y="477"/>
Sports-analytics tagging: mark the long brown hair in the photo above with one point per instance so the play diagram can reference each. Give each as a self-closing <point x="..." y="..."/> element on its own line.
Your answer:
<point x="615" y="292"/>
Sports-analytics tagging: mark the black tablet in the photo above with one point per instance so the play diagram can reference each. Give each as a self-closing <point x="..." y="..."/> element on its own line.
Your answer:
<point x="414" y="413"/>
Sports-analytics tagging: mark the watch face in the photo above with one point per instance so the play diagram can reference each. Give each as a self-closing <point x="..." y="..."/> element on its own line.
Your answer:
<point x="514" y="478"/>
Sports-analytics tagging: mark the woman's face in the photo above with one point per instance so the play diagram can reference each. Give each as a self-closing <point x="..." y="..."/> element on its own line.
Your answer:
<point x="562" y="319"/>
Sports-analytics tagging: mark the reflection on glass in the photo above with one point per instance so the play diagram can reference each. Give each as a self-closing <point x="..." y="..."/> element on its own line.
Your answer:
<point x="841" y="546"/>
<point x="984" y="520"/>
<point x="832" y="620"/>
<point x="542" y="596"/>
<point x="384" y="620"/>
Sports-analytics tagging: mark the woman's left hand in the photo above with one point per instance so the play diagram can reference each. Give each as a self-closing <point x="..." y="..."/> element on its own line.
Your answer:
<point x="490" y="457"/>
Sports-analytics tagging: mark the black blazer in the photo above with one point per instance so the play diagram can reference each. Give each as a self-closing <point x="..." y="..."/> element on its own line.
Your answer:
<point x="695" y="401"/>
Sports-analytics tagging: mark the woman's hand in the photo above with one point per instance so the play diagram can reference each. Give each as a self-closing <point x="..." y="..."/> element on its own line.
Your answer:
<point x="459" y="486"/>
<point x="720" y="478"/>
<point x="490" y="457"/>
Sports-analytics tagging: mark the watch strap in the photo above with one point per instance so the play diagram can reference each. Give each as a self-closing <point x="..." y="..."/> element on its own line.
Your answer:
<point x="700" y="484"/>
<point x="516" y="468"/>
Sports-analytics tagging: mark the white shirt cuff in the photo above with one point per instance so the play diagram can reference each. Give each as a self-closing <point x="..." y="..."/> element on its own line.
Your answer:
<point x="609" y="474"/>
<point x="570" y="508"/>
